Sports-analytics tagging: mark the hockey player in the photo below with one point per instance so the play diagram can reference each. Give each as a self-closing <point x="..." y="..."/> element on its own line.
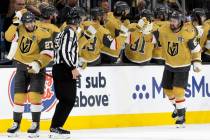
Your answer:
<point x="140" y="44"/>
<point x="198" y="17"/>
<point x="113" y="22"/>
<point x="89" y="45"/>
<point x="180" y="48"/>
<point x="205" y="41"/>
<point x="160" y="14"/>
<point x="109" y="47"/>
<point x="116" y="26"/>
<point x="14" y="44"/>
<point x="161" y="18"/>
<point x="148" y="14"/>
<point x="31" y="57"/>
<point x="47" y="15"/>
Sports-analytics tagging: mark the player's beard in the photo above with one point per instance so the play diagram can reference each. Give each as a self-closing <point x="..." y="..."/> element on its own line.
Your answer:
<point x="54" y="21"/>
<point x="102" y="22"/>
<point x="172" y="27"/>
<point x="176" y="28"/>
<point x="31" y="28"/>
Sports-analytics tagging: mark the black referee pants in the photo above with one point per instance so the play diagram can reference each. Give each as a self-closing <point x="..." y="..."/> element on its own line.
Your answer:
<point x="65" y="91"/>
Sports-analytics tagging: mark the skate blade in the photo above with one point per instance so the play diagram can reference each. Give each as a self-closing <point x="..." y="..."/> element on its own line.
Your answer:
<point x="13" y="135"/>
<point x="33" y="135"/>
<point x="59" y="136"/>
<point x="180" y="125"/>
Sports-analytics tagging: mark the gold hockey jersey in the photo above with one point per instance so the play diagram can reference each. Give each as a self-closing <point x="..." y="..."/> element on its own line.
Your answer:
<point x="126" y="23"/>
<point x="113" y="25"/>
<point x="32" y="46"/>
<point x="158" y="51"/>
<point x="63" y="26"/>
<point x="140" y="47"/>
<point x="104" y="43"/>
<point x="51" y="28"/>
<point x="132" y="27"/>
<point x="89" y="49"/>
<point x="180" y="48"/>
<point x="110" y="46"/>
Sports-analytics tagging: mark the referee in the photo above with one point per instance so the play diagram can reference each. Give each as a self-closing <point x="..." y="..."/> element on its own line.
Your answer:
<point x="65" y="73"/>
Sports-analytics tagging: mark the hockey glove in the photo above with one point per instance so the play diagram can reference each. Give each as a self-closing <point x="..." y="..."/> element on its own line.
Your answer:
<point x="200" y="31"/>
<point x="197" y="66"/>
<point x="147" y="29"/>
<point x="18" y="16"/>
<point x="141" y="23"/>
<point x="90" y="32"/>
<point x="82" y="63"/>
<point x="34" y="67"/>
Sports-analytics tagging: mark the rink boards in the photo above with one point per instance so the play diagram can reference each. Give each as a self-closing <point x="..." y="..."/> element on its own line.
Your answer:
<point x="114" y="96"/>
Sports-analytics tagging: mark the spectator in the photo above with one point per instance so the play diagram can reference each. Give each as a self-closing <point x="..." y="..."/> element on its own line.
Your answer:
<point x="141" y="4"/>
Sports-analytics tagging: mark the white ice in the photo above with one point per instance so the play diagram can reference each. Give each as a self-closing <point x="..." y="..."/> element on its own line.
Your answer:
<point x="191" y="132"/>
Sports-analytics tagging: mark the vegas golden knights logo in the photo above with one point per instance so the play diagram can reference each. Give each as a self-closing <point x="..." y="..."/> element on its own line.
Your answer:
<point x="25" y="45"/>
<point x="172" y="48"/>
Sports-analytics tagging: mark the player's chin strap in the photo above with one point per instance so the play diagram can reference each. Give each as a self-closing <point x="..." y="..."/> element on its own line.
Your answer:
<point x="26" y="67"/>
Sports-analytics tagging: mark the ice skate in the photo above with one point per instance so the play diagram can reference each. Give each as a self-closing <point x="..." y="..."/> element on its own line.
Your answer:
<point x="33" y="131"/>
<point x="13" y="131"/>
<point x="59" y="133"/>
<point x="180" y="122"/>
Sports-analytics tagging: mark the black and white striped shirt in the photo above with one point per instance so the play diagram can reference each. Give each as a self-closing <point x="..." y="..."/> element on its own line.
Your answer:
<point x="67" y="51"/>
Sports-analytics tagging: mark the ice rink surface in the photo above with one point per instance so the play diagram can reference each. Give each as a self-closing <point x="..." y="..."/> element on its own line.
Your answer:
<point x="191" y="132"/>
